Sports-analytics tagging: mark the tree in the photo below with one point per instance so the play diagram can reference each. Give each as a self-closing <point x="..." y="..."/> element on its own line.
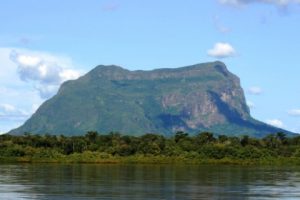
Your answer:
<point x="204" y="138"/>
<point x="180" y="135"/>
<point x="245" y="140"/>
<point x="151" y="144"/>
<point x="271" y="141"/>
<point x="281" y="137"/>
<point x="222" y="138"/>
<point x="91" y="136"/>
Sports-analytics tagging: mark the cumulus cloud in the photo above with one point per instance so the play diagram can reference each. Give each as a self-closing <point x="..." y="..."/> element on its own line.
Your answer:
<point x="14" y="91"/>
<point x="272" y="2"/>
<point x="10" y="112"/>
<point x="12" y="117"/>
<point x="275" y="122"/>
<point x="27" y="101"/>
<point x="255" y="90"/>
<point x="27" y="78"/>
<point x="221" y="50"/>
<point x="46" y="91"/>
<point x="294" y="112"/>
<point x="46" y="72"/>
<point x="7" y="108"/>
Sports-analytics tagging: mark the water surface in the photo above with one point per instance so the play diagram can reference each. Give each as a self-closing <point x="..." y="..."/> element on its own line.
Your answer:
<point x="91" y="181"/>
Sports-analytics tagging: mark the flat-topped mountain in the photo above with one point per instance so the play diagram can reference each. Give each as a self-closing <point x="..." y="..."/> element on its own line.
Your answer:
<point x="195" y="98"/>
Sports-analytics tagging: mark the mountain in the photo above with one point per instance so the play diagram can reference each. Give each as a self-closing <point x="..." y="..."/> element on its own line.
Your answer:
<point x="201" y="97"/>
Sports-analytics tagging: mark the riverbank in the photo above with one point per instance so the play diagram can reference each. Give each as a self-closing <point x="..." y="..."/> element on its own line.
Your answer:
<point x="103" y="158"/>
<point x="203" y="148"/>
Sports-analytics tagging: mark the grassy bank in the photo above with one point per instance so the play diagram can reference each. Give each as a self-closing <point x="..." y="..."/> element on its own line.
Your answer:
<point x="103" y="158"/>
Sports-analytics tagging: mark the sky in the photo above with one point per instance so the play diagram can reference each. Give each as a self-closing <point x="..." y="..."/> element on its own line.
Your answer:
<point x="44" y="43"/>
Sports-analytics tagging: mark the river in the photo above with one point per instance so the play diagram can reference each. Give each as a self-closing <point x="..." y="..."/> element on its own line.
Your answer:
<point x="143" y="182"/>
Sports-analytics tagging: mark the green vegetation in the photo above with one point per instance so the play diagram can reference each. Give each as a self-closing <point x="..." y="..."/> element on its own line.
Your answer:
<point x="151" y="148"/>
<point x="202" y="97"/>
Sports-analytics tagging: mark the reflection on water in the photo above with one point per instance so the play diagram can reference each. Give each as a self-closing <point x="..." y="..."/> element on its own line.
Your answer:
<point x="87" y="181"/>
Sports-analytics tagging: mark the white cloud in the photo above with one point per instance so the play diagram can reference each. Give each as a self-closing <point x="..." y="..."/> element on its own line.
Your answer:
<point x="26" y="79"/>
<point x="221" y="50"/>
<point x="45" y="71"/>
<point x="250" y="104"/>
<point x="272" y="2"/>
<point x="46" y="91"/>
<point x="7" y="108"/>
<point x="69" y="74"/>
<point x="10" y="112"/>
<point x="275" y="122"/>
<point x="25" y="60"/>
<point x="294" y="112"/>
<point x="255" y="90"/>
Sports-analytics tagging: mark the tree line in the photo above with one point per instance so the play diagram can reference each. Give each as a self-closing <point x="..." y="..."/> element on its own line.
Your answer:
<point x="202" y="145"/>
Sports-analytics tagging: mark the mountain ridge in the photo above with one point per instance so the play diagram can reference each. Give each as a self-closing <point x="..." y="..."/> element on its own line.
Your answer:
<point x="200" y="97"/>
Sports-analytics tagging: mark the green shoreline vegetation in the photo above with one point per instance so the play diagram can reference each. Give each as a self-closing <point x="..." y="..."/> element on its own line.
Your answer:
<point x="181" y="148"/>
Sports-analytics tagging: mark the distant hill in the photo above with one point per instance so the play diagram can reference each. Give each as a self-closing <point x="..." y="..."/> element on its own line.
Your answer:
<point x="201" y="97"/>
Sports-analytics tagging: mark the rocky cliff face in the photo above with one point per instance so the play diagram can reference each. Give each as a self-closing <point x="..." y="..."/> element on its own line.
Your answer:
<point x="109" y="98"/>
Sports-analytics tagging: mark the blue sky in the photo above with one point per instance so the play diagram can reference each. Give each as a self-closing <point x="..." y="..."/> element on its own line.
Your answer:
<point x="43" y="43"/>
